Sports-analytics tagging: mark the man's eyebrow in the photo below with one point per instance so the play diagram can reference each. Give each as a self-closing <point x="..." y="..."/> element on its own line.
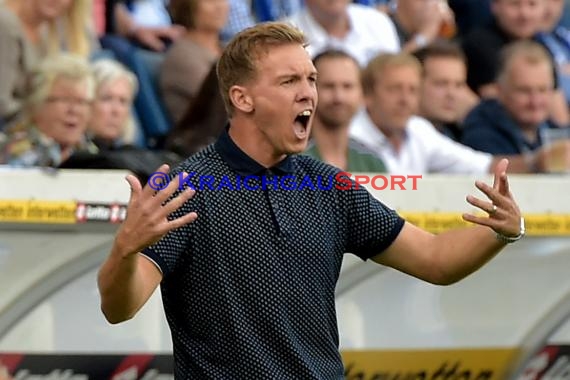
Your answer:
<point x="287" y="75"/>
<point x="312" y="74"/>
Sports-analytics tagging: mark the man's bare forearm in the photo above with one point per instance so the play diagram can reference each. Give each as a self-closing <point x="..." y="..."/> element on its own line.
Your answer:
<point x="459" y="253"/>
<point x="126" y="281"/>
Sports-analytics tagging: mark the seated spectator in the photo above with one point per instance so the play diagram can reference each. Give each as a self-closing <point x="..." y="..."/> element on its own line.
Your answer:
<point x="56" y="115"/>
<point x="111" y="124"/>
<point x="203" y="121"/>
<point x="190" y="59"/>
<point x="470" y="14"/>
<point x="111" y="127"/>
<point x="141" y="50"/>
<point x="340" y="97"/>
<point x="445" y="98"/>
<point x="29" y="30"/>
<point x="407" y="144"/>
<point x="512" y="21"/>
<point x="410" y="144"/>
<point x="361" y="31"/>
<point x="557" y="40"/>
<point x="421" y="22"/>
<point x="511" y="124"/>
<point x="130" y="19"/>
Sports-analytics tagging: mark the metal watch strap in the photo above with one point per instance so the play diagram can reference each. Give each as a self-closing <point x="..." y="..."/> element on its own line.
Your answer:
<point x="512" y="239"/>
<point x="420" y="40"/>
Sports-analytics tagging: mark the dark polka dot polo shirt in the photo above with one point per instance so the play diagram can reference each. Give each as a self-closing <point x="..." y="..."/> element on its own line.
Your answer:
<point x="248" y="288"/>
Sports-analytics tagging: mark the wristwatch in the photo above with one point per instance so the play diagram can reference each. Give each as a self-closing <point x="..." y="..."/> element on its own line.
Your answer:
<point x="420" y="40"/>
<point x="512" y="239"/>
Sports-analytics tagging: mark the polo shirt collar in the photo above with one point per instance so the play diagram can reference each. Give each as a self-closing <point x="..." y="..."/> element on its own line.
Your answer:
<point x="243" y="164"/>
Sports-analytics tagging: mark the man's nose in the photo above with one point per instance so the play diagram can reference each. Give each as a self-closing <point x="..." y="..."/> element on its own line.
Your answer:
<point x="307" y="91"/>
<point x="527" y="12"/>
<point x="535" y="97"/>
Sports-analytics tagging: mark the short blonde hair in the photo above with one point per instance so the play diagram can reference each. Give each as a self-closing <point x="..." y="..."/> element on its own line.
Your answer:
<point x="376" y="67"/>
<point x="61" y="66"/>
<point x="237" y="65"/>
<point x="530" y="51"/>
<point x="108" y="71"/>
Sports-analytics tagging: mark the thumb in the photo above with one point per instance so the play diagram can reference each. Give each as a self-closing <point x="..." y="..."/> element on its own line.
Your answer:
<point x="135" y="185"/>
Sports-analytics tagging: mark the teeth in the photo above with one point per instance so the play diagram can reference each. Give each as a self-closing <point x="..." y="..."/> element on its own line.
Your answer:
<point x="305" y="113"/>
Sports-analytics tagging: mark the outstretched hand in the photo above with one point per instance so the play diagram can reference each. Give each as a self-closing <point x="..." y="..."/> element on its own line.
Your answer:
<point x="504" y="216"/>
<point x="147" y="214"/>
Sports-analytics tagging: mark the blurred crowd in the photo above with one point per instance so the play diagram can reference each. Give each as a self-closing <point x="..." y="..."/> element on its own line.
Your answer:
<point x="405" y="86"/>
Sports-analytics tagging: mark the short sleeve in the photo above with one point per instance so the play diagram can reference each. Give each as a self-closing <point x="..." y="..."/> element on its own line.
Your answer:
<point x="371" y="225"/>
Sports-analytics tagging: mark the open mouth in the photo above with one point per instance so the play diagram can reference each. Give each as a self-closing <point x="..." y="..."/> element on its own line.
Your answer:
<point x="301" y="123"/>
<point x="70" y="125"/>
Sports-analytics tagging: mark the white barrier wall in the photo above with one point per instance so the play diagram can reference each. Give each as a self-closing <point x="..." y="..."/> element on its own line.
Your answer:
<point x="485" y="327"/>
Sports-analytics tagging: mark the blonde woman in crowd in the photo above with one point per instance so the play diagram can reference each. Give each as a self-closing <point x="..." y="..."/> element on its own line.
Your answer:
<point x="32" y="29"/>
<point x="56" y="113"/>
<point x="112" y="123"/>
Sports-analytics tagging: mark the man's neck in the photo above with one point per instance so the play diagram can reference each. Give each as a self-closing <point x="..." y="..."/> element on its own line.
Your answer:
<point x="395" y="135"/>
<point x="332" y="144"/>
<point x="253" y="143"/>
<point x="438" y="124"/>
<point x="337" y="27"/>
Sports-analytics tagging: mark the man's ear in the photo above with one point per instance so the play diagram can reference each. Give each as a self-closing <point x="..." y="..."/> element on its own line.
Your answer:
<point x="241" y="99"/>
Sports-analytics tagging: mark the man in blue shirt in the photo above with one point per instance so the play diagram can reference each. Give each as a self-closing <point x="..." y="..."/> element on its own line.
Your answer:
<point x="248" y="276"/>
<point x="511" y="124"/>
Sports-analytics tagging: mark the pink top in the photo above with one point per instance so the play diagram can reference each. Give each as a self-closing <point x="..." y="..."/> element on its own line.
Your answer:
<point x="99" y="16"/>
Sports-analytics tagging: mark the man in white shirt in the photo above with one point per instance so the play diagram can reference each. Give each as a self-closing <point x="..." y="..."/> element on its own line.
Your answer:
<point x="410" y="144"/>
<point x="361" y="31"/>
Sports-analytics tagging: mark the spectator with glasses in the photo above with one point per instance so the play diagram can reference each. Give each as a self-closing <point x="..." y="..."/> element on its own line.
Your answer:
<point x="112" y="124"/>
<point x="55" y="117"/>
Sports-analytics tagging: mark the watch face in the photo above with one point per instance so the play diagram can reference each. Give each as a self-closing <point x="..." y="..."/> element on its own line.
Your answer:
<point x="420" y="40"/>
